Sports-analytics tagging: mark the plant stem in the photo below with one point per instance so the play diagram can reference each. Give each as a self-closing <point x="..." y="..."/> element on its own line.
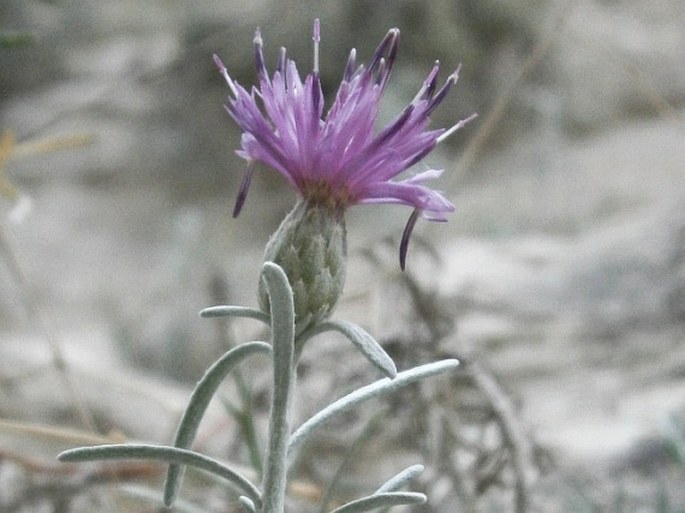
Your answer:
<point x="245" y="416"/>
<point x="283" y="340"/>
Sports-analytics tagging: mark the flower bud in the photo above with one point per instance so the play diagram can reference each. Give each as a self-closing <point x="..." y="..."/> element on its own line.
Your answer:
<point x="310" y="245"/>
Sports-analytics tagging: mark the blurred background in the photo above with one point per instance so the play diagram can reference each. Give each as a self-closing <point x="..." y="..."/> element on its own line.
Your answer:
<point x="559" y="280"/>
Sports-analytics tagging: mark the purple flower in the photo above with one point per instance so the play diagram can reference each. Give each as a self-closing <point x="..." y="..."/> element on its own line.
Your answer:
<point x="338" y="160"/>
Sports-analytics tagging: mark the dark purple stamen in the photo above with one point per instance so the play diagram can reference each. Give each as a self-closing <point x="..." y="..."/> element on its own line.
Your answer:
<point x="391" y="40"/>
<point x="392" y="55"/>
<point x="280" y="65"/>
<point x="242" y="193"/>
<point x="419" y="156"/>
<point x="393" y="128"/>
<point x="442" y="93"/>
<point x="432" y="82"/>
<point x="259" y="56"/>
<point x="317" y="96"/>
<point x="404" y="243"/>
<point x="351" y="63"/>
<point x="380" y="78"/>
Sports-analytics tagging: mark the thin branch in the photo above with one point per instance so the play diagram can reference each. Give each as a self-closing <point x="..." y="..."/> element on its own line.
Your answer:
<point x="517" y="443"/>
<point x="36" y="313"/>
<point x="494" y="116"/>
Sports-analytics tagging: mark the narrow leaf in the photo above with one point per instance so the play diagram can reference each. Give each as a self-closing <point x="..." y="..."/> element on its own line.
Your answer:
<point x="381" y="500"/>
<point x="402" y="478"/>
<point x="199" y="401"/>
<point x="247" y="504"/>
<point x="364" y="342"/>
<point x="163" y="453"/>
<point x="379" y="388"/>
<point x="235" y="311"/>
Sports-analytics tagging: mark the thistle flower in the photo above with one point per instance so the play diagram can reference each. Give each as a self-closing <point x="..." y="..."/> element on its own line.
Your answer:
<point x="338" y="160"/>
<point x="334" y="161"/>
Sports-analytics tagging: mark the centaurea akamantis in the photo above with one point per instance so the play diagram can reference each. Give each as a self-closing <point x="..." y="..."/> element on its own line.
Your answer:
<point x="338" y="160"/>
<point x="334" y="163"/>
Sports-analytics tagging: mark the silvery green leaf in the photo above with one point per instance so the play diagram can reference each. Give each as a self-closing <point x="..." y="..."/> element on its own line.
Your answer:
<point x="379" y="388"/>
<point x="399" y="480"/>
<point x="247" y="504"/>
<point x="364" y="342"/>
<point x="199" y="401"/>
<point x="235" y="311"/>
<point x="381" y="500"/>
<point x="163" y="453"/>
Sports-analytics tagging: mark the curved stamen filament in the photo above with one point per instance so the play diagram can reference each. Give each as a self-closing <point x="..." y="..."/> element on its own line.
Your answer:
<point x="224" y="73"/>
<point x="244" y="186"/>
<point x="455" y="127"/>
<point x="404" y="244"/>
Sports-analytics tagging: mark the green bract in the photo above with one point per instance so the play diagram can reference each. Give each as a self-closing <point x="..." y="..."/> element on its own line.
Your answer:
<point x="310" y="245"/>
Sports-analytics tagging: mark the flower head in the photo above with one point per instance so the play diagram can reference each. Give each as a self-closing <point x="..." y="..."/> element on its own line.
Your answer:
<point x="339" y="160"/>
